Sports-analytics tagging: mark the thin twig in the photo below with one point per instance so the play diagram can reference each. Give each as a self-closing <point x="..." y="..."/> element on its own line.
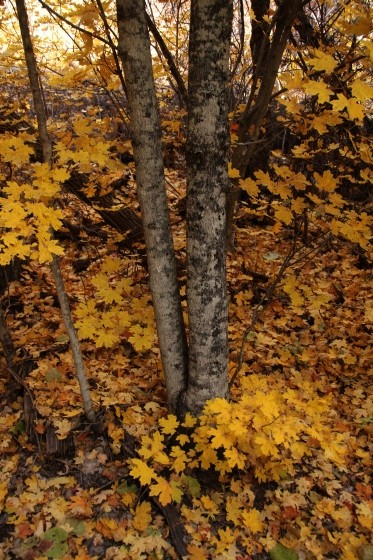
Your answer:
<point x="73" y="25"/>
<point x="266" y="299"/>
<point x="268" y="296"/>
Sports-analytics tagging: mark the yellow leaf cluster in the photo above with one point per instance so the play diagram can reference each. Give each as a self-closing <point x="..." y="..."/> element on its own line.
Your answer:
<point x="29" y="219"/>
<point x="116" y="311"/>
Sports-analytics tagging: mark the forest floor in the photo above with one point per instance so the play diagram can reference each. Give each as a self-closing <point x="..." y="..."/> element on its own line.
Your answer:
<point x="311" y="337"/>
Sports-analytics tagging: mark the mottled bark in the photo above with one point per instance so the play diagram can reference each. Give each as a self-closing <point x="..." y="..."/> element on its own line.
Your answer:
<point x="134" y="51"/>
<point x="207" y="158"/>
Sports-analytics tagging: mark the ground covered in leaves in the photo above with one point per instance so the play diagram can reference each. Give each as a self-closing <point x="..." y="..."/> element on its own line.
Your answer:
<point x="283" y="471"/>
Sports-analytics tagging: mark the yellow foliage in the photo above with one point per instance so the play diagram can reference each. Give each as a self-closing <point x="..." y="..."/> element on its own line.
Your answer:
<point x="142" y="516"/>
<point x="142" y="471"/>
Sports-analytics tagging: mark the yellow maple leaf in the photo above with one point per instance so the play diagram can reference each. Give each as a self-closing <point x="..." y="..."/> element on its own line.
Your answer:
<point x="140" y="470"/>
<point x="196" y="552"/>
<point x="219" y="406"/>
<point x="266" y="446"/>
<point x="284" y="215"/>
<point x="61" y="174"/>
<point x="111" y="264"/>
<point x="264" y="179"/>
<point x="364" y="513"/>
<point x="14" y="150"/>
<point x="105" y="339"/>
<point x="250" y="186"/>
<point x="322" y="61"/>
<point x="189" y="421"/>
<point x="142" y="517"/>
<point x="208" y="457"/>
<point x="355" y="109"/>
<point x="169" y="425"/>
<point x="47" y="248"/>
<point x="180" y="459"/>
<point x="299" y="181"/>
<point x="298" y="205"/>
<point x="234" y="508"/>
<point x="221" y="437"/>
<point x="142" y="339"/>
<point x="153" y="447"/>
<point x="326" y="182"/>
<point x="318" y="88"/>
<point x="209" y="505"/>
<point x="234" y="458"/>
<point x="361" y="26"/>
<point x="162" y="489"/>
<point x="252" y="520"/>
<point x="176" y="491"/>
<point x="361" y="90"/>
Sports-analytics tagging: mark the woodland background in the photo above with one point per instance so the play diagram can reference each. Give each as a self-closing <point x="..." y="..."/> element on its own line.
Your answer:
<point x="282" y="470"/>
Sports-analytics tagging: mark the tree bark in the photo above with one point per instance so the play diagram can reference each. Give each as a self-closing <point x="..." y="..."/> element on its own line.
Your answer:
<point x="207" y="162"/>
<point x="47" y="149"/>
<point x="182" y="90"/>
<point x="254" y="113"/>
<point x="134" y="51"/>
<point x="259" y="40"/>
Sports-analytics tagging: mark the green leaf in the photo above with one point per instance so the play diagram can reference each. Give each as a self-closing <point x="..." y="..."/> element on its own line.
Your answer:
<point x="280" y="552"/>
<point x="366" y="552"/>
<point x="18" y="428"/>
<point x="77" y="525"/>
<point x="31" y="542"/>
<point x="193" y="485"/>
<point x="58" y="550"/>
<point x="56" y="534"/>
<point x="57" y="537"/>
<point x="125" y="488"/>
<point x="53" y="375"/>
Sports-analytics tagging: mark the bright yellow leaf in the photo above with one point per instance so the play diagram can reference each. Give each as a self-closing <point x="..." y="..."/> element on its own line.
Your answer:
<point x="142" y="471"/>
<point x="322" y="61"/>
<point x="162" y="489"/>
<point x="169" y="425"/>
<point x="252" y="520"/>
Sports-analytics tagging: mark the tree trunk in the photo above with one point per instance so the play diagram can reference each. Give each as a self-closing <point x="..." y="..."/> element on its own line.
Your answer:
<point x="207" y="162"/>
<point x="47" y="149"/>
<point x="251" y="120"/>
<point x="134" y="51"/>
<point x="259" y="40"/>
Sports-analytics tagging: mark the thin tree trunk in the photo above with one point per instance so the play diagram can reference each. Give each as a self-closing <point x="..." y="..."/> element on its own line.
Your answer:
<point x="253" y="115"/>
<point x="182" y="91"/>
<point x="134" y="51"/>
<point x="47" y="148"/>
<point x="207" y="162"/>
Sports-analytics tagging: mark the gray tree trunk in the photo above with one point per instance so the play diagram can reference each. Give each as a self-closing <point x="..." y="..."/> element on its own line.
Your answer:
<point x="134" y="51"/>
<point x="207" y="162"/>
<point x="205" y="375"/>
